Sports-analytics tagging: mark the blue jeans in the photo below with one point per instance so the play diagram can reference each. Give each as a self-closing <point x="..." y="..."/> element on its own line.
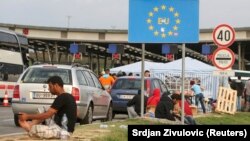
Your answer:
<point x="248" y="103"/>
<point x="238" y="103"/>
<point x="200" y="97"/>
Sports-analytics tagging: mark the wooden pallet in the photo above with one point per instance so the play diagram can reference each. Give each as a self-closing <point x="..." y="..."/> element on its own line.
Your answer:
<point x="226" y="101"/>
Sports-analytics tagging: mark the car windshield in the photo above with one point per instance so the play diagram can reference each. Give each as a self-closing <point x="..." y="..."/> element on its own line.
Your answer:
<point x="41" y="75"/>
<point x="128" y="84"/>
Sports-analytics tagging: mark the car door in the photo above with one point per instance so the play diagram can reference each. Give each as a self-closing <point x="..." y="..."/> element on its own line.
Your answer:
<point x="103" y="97"/>
<point x="94" y="94"/>
<point x="84" y="88"/>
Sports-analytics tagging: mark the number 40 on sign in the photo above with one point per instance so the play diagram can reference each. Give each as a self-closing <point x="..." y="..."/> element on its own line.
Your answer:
<point x="223" y="35"/>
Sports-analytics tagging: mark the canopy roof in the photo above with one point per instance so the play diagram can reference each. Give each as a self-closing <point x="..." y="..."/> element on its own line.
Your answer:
<point x="190" y="65"/>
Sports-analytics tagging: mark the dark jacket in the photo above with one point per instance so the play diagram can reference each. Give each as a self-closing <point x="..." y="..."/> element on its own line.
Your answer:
<point x="164" y="108"/>
<point x="238" y="86"/>
<point x="136" y="102"/>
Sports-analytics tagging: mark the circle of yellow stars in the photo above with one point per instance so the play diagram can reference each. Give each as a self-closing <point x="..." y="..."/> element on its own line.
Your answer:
<point x="173" y="30"/>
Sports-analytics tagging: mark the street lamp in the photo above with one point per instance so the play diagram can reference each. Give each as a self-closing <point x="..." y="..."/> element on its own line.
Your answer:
<point x="68" y="21"/>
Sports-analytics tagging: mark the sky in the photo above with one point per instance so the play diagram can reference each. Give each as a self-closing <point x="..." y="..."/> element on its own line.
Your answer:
<point x="110" y="14"/>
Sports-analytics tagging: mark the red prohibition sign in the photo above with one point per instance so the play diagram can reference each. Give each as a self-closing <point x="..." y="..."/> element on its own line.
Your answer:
<point x="223" y="35"/>
<point x="223" y="58"/>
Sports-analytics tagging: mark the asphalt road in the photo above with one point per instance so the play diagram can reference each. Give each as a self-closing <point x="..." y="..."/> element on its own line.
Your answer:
<point x="7" y="125"/>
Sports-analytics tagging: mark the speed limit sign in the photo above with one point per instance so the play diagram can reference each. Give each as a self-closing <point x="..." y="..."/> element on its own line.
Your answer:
<point x="223" y="35"/>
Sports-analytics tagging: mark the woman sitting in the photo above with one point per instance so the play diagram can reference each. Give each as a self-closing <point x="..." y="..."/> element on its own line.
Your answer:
<point x="153" y="102"/>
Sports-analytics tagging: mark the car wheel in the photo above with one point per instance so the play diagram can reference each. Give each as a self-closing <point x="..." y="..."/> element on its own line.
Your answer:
<point x="89" y="117"/>
<point x="113" y="115"/>
<point x="109" y="116"/>
<point x="16" y="120"/>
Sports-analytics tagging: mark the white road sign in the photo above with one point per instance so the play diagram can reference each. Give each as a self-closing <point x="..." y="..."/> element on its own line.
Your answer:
<point x="223" y="73"/>
<point x="223" y="58"/>
<point x="223" y="35"/>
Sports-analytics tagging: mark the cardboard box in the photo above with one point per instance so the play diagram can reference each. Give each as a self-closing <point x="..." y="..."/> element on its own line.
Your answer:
<point x="194" y="109"/>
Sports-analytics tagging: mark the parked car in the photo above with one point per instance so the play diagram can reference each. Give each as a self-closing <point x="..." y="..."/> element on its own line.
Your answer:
<point x="125" y="88"/>
<point x="31" y="91"/>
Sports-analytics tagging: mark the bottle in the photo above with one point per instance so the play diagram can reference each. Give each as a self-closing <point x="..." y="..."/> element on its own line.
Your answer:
<point x="64" y="122"/>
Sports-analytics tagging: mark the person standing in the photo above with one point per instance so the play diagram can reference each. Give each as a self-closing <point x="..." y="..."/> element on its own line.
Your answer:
<point x="199" y="97"/>
<point x="63" y="109"/>
<point x="247" y="95"/>
<point x="114" y="76"/>
<point x="107" y="80"/>
<point x="130" y="74"/>
<point x="147" y="73"/>
<point x="239" y="88"/>
<point x="231" y="84"/>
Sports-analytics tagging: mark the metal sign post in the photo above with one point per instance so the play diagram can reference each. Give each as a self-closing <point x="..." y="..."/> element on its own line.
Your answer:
<point x="142" y="80"/>
<point x="182" y="83"/>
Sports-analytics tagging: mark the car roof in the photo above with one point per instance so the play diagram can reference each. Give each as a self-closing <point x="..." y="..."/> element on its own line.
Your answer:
<point x="58" y="66"/>
<point x="136" y="77"/>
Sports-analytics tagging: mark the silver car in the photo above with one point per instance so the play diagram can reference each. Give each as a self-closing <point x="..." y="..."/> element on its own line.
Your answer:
<point x="31" y="92"/>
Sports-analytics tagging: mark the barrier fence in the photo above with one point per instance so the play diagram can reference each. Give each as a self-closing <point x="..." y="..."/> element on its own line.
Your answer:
<point x="172" y="79"/>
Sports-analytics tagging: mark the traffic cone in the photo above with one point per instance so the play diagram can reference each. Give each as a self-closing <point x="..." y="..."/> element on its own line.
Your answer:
<point x="5" y="100"/>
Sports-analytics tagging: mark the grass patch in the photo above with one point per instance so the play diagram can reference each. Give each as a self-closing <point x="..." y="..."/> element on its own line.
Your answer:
<point x="114" y="131"/>
<point x="116" y="134"/>
<point x="117" y="131"/>
<point x="121" y="134"/>
<point x="239" y="118"/>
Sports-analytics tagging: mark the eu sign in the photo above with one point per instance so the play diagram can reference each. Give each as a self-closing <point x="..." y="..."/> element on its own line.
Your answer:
<point x="163" y="21"/>
<point x="73" y="48"/>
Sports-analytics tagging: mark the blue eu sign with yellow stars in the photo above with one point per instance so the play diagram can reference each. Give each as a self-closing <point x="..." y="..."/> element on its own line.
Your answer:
<point x="163" y="21"/>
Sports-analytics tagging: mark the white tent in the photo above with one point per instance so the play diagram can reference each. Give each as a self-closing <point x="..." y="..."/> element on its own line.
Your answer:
<point x="194" y="69"/>
<point x="136" y="67"/>
<point x="190" y="65"/>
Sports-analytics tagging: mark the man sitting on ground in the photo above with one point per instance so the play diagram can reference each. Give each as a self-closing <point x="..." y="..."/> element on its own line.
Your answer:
<point x="134" y="105"/>
<point x="165" y="107"/>
<point x="188" y="115"/>
<point x="63" y="105"/>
